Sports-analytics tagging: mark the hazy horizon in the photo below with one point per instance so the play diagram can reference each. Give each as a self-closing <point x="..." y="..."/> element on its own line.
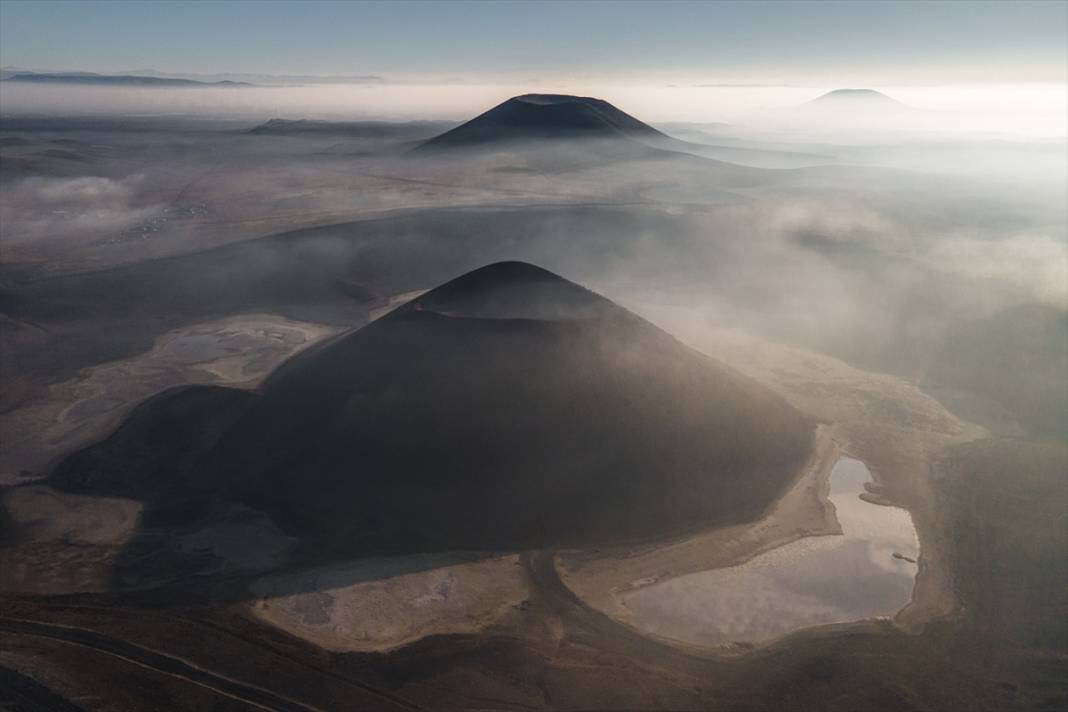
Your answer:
<point x="991" y="67"/>
<point x="1023" y="110"/>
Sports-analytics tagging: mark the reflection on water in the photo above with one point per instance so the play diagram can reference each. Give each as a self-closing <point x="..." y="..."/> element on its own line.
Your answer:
<point x="814" y="581"/>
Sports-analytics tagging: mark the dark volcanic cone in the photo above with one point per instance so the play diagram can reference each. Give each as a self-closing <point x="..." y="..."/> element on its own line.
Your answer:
<point x="539" y="117"/>
<point x="508" y="408"/>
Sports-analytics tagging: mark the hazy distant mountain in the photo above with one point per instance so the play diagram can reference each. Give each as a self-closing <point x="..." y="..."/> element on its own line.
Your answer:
<point x="536" y="117"/>
<point x="507" y="408"/>
<point x="863" y="110"/>
<point x="267" y="79"/>
<point x="114" y="80"/>
<point x="855" y="98"/>
<point x="352" y="129"/>
<point x="231" y="77"/>
<point x="7" y="72"/>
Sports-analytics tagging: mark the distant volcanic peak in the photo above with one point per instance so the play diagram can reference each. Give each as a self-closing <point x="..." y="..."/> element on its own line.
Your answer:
<point x="543" y="99"/>
<point x="857" y="96"/>
<point x="547" y="116"/>
<point x="513" y="290"/>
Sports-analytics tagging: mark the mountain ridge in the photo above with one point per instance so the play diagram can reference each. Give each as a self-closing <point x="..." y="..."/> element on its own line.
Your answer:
<point x="116" y="80"/>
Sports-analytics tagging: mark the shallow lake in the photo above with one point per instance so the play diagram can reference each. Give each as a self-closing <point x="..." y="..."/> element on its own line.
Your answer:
<point x="810" y="582"/>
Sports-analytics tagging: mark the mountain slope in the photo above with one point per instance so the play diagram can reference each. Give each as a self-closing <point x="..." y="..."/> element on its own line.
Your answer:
<point x="537" y="117"/>
<point x="506" y="409"/>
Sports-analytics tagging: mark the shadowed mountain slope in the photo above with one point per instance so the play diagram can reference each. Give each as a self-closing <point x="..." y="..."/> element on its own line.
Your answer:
<point x="536" y="117"/>
<point x="507" y="408"/>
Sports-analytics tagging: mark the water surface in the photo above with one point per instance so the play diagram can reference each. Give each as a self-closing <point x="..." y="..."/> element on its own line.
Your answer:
<point x="810" y="582"/>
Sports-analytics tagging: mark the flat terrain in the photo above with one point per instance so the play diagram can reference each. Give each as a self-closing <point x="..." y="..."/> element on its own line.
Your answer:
<point x="383" y="605"/>
<point x="237" y="351"/>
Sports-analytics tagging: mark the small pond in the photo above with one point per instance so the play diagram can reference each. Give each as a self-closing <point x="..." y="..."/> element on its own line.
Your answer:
<point x="868" y="571"/>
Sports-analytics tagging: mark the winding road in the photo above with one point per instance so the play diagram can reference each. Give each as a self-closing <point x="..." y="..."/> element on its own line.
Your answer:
<point x="252" y="695"/>
<point x="595" y="628"/>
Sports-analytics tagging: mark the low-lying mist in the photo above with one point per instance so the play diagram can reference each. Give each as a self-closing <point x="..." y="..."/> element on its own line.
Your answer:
<point x="884" y="253"/>
<point x="43" y="208"/>
<point x="1021" y="110"/>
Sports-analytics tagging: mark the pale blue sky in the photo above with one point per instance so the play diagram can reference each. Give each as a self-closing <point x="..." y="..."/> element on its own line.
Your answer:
<point x="906" y="42"/>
